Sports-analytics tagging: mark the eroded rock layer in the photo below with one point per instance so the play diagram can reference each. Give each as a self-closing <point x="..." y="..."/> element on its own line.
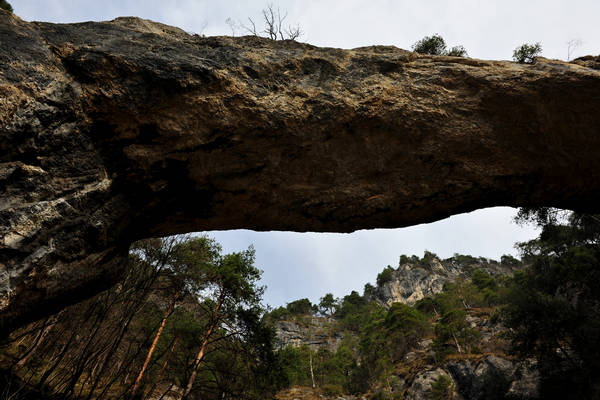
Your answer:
<point x="115" y="131"/>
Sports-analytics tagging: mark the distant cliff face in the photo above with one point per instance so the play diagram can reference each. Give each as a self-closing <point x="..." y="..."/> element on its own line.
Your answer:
<point x="316" y="332"/>
<point x="489" y="372"/>
<point x="411" y="282"/>
<point x="116" y="131"/>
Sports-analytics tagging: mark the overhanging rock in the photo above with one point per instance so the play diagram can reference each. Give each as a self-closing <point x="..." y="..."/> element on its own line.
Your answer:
<point x="116" y="131"/>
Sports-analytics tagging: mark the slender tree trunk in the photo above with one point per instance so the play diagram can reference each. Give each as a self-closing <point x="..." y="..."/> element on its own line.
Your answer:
<point x="163" y="368"/>
<point x="312" y="375"/>
<point x="465" y="304"/>
<point x="199" y="358"/>
<point x="57" y="360"/>
<point x="40" y="338"/>
<point x="457" y="344"/>
<point x="162" y="396"/>
<point x="200" y="354"/>
<point x="168" y="313"/>
<point x="111" y="352"/>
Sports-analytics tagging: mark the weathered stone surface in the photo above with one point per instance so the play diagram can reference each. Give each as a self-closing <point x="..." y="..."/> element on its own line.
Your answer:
<point x="420" y="387"/>
<point x="494" y="376"/>
<point x="119" y="130"/>
<point x="316" y="332"/>
<point x="411" y="282"/>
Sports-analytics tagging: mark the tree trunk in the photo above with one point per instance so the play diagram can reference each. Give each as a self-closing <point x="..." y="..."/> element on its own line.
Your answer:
<point x="312" y="375"/>
<point x="168" y="313"/>
<point x="200" y="354"/>
<point x="457" y="344"/>
<point x="40" y="338"/>
<point x="163" y="368"/>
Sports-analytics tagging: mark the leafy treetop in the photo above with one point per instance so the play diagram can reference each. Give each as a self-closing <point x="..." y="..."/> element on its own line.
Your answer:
<point x="5" y="6"/>
<point x="527" y="53"/>
<point x="436" y="45"/>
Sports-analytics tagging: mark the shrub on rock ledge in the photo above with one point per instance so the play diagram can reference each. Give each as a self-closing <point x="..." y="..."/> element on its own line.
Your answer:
<point x="527" y="53"/>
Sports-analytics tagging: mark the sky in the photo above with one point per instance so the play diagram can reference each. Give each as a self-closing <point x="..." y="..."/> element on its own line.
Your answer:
<point x="298" y="265"/>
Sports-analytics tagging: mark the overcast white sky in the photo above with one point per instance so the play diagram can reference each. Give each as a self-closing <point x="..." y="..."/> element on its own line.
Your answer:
<point x="309" y="265"/>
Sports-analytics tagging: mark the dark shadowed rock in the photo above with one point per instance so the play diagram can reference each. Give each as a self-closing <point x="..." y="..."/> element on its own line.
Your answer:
<point x="495" y="377"/>
<point x="115" y="131"/>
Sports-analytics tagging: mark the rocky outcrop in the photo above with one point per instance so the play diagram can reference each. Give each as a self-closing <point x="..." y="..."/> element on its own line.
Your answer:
<point x="479" y="379"/>
<point x="115" y="131"/>
<point x="316" y="332"/>
<point x="421" y="385"/>
<point x="494" y="376"/>
<point x="411" y="282"/>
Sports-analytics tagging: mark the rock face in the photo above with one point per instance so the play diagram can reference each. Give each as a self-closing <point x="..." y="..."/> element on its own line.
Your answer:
<point x="494" y="376"/>
<point x="314" y="331"/>
<point x="115" y="131"/>
<point x="411" y="282"/>
<point x="480" y="379"/>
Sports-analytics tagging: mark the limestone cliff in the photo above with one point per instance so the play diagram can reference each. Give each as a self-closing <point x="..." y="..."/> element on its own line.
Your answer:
<point x="488" y="372"/>
<point x="316" y="332"/>
<point x="412" y="281"/>
<point x="115" y="131"/>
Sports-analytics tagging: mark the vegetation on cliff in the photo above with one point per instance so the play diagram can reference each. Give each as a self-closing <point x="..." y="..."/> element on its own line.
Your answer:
<point x="186" y="320"/>
<point x="553" y="307"/>
<point x="545" y="318"/>
<point x="372" y="356"/>
<point x="5" y="5"/>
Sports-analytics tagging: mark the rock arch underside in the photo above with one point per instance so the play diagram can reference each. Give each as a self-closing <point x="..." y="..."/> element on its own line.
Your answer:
<point x="115" y="131"/>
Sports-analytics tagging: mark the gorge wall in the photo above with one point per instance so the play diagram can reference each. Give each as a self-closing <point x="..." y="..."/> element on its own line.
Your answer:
<point x="115" y="131"/>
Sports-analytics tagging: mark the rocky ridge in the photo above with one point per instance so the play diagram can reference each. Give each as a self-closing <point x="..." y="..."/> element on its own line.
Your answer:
<point x="115" y="131"/>
<point x="411" y="282"/>
<point x="490" y="372"/>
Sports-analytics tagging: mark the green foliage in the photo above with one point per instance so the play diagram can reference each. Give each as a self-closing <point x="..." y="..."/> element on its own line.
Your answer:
<point x="526" y="53"/>
<point x="453" y="333"/>
<point x="369" y="290"/>
<point x="404" y="259"/>
<point x="335" y="368"/>
<point x="483" y="280"/>
<point x="386" y="340"/>
<point x="332" y="390"/>
<point x="386" y="275"/>
<point x="94" y="349"/>
<point x="5" y="6"/>
<point x="441" y="389"/>
<point x="507" y="259"/>
<point x="278" y="314"/>
<point x="328" y="304"/>
<point x="457" y="51"/>
<point x="405" y="325"/>
<point x="294" y="362"/>
<point x="355" y="312"/>
<point x="428" y="257"/>
<point x="554" y="306"/>
<point x="462" y="259"/>
<point x="429" y="305"/>
<point x="301" y="307"/>
<point x="436" y="45"/>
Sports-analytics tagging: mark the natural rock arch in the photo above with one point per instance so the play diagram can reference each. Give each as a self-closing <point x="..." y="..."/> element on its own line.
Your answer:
<point x="120" y="130"/>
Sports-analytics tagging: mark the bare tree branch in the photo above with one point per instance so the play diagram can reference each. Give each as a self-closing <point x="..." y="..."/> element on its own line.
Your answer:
<point x="232" y="25"/>
<point x="274" y="25"/>
<point x="294" y="32"/>
<point x="252" y="29"/>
